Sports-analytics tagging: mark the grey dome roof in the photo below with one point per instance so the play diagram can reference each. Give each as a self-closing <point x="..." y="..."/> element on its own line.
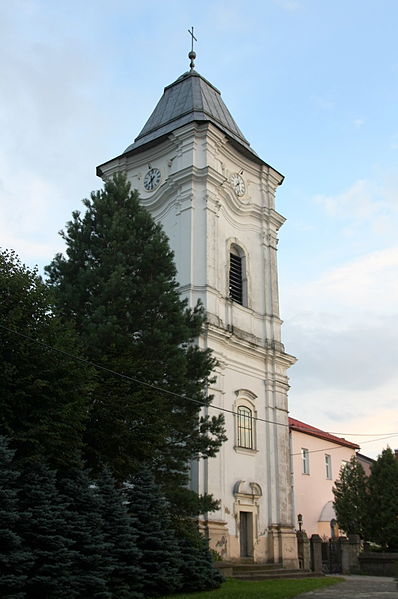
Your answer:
<point x="190" y="98"/>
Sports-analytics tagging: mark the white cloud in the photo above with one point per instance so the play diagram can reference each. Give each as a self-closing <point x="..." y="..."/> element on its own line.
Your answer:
<point x="52" y="130"/>
<point x="367" y="202"/>
<point x="343" y="329"/>
<point x="358" y="200"/>
<point x="28" y="216"/>
<point x="365" y="286"/>
<point x="361" y="413"/>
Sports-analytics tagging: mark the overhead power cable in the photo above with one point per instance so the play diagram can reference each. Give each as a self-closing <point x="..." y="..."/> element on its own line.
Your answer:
<point x="162" y="389"/>
<point x="361" y="434"/>
<point x="334" y="447"/>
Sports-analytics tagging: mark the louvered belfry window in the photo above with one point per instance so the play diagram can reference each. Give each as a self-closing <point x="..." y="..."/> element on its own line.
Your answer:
<point x="235" y="278"/>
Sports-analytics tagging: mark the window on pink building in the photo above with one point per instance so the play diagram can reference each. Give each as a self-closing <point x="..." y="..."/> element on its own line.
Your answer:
<point x="305" y="457"/>
<point x="328" y="466"/>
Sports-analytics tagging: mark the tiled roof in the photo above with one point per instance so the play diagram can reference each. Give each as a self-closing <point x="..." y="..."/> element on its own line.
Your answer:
<point x="190" y="98"/>
<point x="302" y="427"/>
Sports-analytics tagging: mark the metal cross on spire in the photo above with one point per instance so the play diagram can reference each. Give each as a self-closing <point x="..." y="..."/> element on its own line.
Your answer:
<point x="192" y="54"/>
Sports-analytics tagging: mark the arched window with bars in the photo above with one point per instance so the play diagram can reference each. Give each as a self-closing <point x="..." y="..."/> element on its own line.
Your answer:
<point x="245" y="427"/>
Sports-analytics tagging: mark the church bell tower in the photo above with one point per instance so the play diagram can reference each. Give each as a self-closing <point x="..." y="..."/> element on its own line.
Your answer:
<point x="215" y="198"/>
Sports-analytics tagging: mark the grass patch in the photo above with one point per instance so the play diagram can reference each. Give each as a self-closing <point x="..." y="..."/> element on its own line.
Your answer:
<point x="265" y="589"/>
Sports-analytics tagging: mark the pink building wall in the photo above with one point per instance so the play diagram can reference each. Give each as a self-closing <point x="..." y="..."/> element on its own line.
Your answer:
<point x="312" y="491"/>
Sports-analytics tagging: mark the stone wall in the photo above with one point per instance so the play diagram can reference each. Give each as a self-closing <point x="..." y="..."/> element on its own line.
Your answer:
<point x="379" y="564"/>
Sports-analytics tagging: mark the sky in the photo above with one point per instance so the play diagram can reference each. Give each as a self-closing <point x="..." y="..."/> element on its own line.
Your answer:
<point x="312" y="84"/>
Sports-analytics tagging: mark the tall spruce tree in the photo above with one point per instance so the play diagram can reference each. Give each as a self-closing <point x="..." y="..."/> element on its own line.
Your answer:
<point x="160" y="557"/>
<point x="197" y="570"/>
<point x="125" y="578"/>
<point x="350" y="501"/>
<point x="383" y="501"/>
<point x="43" y="394"/>
<point x="15" y="557"/>
<point x="43" y="529"/>
<point x="91" y="565"/>
<point x="117" y="283"/>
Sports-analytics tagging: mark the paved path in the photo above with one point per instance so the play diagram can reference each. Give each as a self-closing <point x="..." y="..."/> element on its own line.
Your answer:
<point x="357" y="587"/>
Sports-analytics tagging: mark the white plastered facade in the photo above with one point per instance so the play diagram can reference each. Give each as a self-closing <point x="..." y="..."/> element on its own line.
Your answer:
<point x="203" y="217"/>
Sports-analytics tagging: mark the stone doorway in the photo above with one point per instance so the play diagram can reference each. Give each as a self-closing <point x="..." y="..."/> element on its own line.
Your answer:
<point x="246" y="534"/>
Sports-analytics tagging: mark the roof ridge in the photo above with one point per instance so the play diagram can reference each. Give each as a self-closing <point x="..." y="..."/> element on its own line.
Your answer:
<point x="192" y="74"/>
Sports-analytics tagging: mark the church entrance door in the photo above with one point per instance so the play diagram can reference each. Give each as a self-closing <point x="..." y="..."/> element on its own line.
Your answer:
<point x="246" y="534"/>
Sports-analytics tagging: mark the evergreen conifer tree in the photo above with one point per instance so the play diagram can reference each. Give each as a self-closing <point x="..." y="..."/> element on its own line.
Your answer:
<point x="43" y="394"/>
<point x="197" y="570"/>
<point x="124" y="581"/>
<point x="161" y="559"/>
<point x="91" y="564"/>
<point x="350" y="502"/>
<point x="383" y="501"/>
<point x="15" y="558"/>
<point x="117" y="283"/>
<point x="42" y="527"/>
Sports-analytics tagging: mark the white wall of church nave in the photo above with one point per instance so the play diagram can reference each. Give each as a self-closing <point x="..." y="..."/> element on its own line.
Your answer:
<point x="269" y="461"/>
<point x="243" y="357"/>
<point x="266" y="468"/>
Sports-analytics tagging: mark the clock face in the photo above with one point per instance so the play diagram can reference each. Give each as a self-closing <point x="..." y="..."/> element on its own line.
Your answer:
<point x="152" y="179"/>
<point x="238" y="184"/>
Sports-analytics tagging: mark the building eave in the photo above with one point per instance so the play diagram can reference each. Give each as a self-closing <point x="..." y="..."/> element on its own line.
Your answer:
<point x="306" y="429"/>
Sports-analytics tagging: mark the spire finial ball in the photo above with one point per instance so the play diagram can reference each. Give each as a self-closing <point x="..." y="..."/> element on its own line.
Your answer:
<point x="192" y="54"/>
